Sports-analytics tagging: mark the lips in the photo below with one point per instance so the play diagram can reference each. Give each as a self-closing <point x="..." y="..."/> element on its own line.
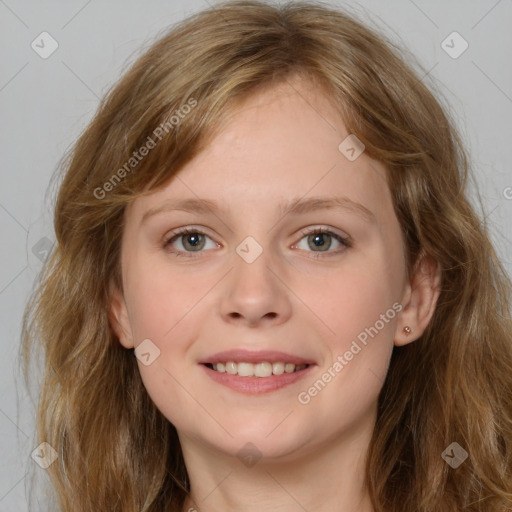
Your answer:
<point x="256" y="372"/>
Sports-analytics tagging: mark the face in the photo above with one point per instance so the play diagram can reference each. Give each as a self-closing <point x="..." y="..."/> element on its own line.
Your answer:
<point x="320" y="284"/>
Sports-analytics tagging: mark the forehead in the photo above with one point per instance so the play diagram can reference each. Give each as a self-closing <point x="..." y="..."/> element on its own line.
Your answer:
<point x="279" y="144"/>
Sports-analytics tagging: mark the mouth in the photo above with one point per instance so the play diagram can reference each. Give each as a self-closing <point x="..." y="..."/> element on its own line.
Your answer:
<point x="256" y="372"/>
<point x="262" y="369"/>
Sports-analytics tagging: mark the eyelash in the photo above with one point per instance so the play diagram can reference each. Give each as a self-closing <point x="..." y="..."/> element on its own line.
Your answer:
<point x="345" y="241"/>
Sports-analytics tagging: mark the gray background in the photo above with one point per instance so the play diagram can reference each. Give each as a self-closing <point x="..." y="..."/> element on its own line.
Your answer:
<point x="46" y="103"/>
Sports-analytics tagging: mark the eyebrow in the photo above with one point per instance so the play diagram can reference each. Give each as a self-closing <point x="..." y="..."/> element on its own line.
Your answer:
<point x="297" y="206"/>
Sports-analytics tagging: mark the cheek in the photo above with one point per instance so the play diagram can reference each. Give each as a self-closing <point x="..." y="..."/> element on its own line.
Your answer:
<point x="163" y="308"/>
<point x="360" y="307"/>
<point x="159" y="300"/>
<point x="355" y="296"/>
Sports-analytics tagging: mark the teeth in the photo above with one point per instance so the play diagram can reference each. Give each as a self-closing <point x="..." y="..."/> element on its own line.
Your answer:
<point x="277" y="368"/>
<point x="245" y="369"/>
<point x="263" y="369"/>
<point x="231" y="368"/>
<point x="289" y="367"/>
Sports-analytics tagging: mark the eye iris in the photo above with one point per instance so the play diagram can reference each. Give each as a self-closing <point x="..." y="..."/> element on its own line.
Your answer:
<point x="195" y="237"/>
<point x="318" y="240"/>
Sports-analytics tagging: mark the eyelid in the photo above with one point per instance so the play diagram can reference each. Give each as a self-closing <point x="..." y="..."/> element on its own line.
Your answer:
<point x="175" y="233"/>
<point x="310" y="230"/>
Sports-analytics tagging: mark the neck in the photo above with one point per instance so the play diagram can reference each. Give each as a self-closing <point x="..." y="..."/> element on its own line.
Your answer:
<point x="324" y="477"/>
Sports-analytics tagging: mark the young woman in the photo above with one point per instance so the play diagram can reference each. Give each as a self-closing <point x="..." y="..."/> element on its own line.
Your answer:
<point x="270" y="291"/>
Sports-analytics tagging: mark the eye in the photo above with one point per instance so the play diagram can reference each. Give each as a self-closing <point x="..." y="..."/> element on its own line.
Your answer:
<point x="194" y="240"/>
<point x="322" y="239"/>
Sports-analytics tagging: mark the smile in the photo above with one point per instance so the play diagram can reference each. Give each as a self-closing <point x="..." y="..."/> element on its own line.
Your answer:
<point x="262" y="369"/>
<point x="256" y="378"/>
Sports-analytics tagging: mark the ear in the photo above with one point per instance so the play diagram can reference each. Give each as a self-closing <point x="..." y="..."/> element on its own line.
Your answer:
<point x="118" y="317"/>
<point x="419" y="300"/>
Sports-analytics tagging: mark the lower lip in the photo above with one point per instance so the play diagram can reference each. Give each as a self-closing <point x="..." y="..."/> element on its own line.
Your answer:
<point x="256" y="385"/>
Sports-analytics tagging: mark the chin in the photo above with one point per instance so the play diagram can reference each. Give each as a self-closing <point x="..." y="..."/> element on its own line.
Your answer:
<point x="276" y="447"/>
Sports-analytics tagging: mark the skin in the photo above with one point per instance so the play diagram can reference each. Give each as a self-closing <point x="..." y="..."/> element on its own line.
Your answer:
<point x="279" y="144"/>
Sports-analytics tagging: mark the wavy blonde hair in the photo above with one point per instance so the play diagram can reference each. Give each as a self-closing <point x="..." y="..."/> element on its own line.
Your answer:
<point x="116" y="451"/>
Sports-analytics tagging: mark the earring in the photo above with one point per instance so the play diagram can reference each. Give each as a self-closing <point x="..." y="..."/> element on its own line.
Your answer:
<point x="407" y="330"/>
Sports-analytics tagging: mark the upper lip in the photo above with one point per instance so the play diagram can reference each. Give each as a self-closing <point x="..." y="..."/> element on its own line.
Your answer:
<point x="253" y="356"/>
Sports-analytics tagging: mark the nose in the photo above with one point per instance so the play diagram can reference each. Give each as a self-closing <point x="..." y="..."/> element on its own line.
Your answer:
<point x="255" y="294"/>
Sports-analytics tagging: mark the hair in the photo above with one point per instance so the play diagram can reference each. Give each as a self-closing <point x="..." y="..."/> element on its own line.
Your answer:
<point x="116" y="450"/>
